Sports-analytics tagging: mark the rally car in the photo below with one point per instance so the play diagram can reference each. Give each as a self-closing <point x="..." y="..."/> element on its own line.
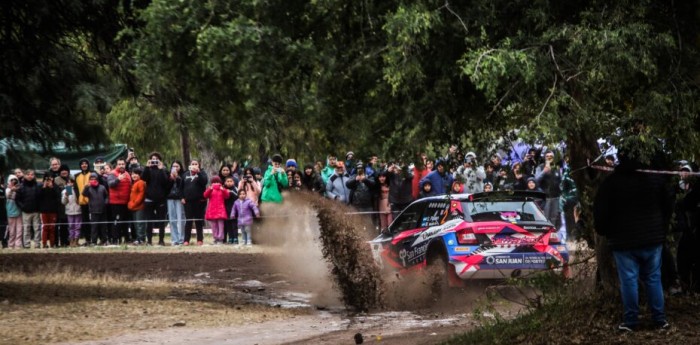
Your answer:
<point x="472" y="236"/>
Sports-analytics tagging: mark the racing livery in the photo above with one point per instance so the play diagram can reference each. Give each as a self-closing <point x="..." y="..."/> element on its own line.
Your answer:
<point x="478" y="236"/>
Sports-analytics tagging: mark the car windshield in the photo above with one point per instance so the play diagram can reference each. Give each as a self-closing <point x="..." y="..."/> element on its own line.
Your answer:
<point x="509" y="211"/>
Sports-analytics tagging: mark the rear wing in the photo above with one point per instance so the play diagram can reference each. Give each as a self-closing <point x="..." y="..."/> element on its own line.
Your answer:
<point x="519" y="195"/>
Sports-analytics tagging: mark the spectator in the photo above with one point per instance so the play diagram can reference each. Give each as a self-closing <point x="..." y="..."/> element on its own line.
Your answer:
<point x="225" y="171"/>
<point x="81" y="181"/>
<point x="519" y="180"/>
<point x="291" y="165"/>
<point x="457" y="187"/>
<point x="54" y="167"/>
<point x="97" y="196"/>
<point x="451" y="157"/>
<point x="3" y="213"/>
<point x="501" y="179"/>
<point x="610" y="161"/>
<point x="361" y="187"/>
<point x="329" y="170"/>
<point x="472" y="174"/>
<point x="530" y="163"/>
<point x="62" y="231"/>
<point x="632" y="210"/>
<point x="27" y="200"/>
<point x="49" y="206"/>
<point x="195" y="204"/>
<point x="336" y="188"/>
<point x="400" y="188"/>
<point x="531" y="185"/>
<point x="440" y="179"/>
<point x="488" y="187"/>
<point x="296" y="184"/>
<point x="274" y="182"/>
<point x="14" y="214"/>
<point x="488" y="170"/>
<point x="548" y="178"/>
<point x="426" y="190"/>
<point x="175" y="203"/>
<point x="216" y="208"/>
<point x="349" y="161"/>
<point x="69" y="198"/>
<point x="311" y="181"/>
<point x="250" y="185"/>
<point x="420" y="171"/>
<point x="230" y="226"/>
<point x="20" y="175"/>
<point x="157" y="187"/>
<point x="136" y="205"/>
<point x="119" y="183"/>
<point x="243" y="212"/>
<point x="383" y="206"/>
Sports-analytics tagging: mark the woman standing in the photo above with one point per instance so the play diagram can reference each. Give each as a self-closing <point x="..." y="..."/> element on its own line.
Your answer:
<point x="195" y="182"/>
<point x="176" y="209"/>
<point x="250" y="185"/>
<point x="385" y="217"/>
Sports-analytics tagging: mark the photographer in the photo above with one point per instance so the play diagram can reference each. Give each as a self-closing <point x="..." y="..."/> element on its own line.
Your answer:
<point x="548" y="177"/>
<point x="157" y="187"/>
<point x="274" y="181"/>
<point x="400" y="189"/>
<point x="250" y="185"/>
<point x="361" y="187"/>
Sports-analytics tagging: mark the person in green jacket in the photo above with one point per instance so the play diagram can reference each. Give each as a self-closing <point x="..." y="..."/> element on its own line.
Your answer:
<point x="329" y="170"/>
<point x="274" y="181"/>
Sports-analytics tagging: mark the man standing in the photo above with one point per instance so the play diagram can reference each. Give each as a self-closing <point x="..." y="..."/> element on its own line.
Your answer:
<point x="119" y="182"/>
<point x="27" y="200"/>
<point x="336" y="188"/>
<point x="274" y="181"/>
<point x="632" y="210"/>
<point x="81" y="181"/>
<point x="62" y="234"/>
<point x="440" y="178"/>
<point x="157" y="187"/>
<point x="548" y="177"/>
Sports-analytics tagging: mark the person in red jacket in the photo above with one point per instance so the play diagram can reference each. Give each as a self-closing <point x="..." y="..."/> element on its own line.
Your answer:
<point x="136" y="205"/>
<point x="420" y="170"/>
<point x="216" y="209"/>
<point x="119" y="182"/>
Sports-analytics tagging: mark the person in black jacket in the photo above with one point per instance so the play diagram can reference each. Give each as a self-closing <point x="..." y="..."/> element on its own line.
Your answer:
<point x="230" y="225"/>
<point x="632" y="210"/>
<point x="97" y="203"/>
<point x="400" y="188"/>
<point x="176" y="200"/>
<point x="27" y="200"/>
<point x="157" y="188"/>
<point x="49" y="206"/>
<point x="312" y="181"/>
<point x="361" y="190"/>
<point x="195" y="182"/>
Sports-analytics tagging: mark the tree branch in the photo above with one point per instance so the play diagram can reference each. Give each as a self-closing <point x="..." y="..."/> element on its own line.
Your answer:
<point x="478" y="61"/>
<point x="447" y="6"/>
<point x="554" y="88"/>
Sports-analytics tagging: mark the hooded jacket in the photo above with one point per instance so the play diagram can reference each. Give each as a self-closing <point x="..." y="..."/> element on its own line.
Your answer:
<point x="10" y="204"/>
<point x="273" y="183"/>
<point x="473" y="178"/>
<point x="400" y="189"/>
<point x="441" y="182"/>
<point x="216" y="209"/>
<point x="244" y="210"/>
<point x="336" y="188"/>
<point x="361" y="191"/>
<point x="97" y="197"/>
<point x="252" y="189"/>
<point x="81" y="181"/>
<point x="632" y="209"/>
<point x="70" y="200"/>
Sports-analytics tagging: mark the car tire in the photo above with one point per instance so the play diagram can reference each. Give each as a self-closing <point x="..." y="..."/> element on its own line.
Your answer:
<point x="437" y="273"/>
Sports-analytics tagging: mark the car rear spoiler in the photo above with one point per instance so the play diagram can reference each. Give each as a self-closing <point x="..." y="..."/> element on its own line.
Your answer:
<point x="508" y="195"/>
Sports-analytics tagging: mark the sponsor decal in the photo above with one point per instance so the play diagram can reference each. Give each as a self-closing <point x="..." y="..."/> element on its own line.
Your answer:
<point x="561" y="248"/>
<point x="407" y="256"/>
<point x="516" y="260"/>
<point x="511" y="217"/>
<point x="462" y="249"/>
<point x="435" y="231"/>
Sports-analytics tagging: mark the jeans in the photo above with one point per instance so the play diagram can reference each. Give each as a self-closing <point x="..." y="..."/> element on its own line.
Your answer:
<point x="139" y="224"/>
<point x="155" y="214"/>
<point x="176" y="218"/>
<point x="32" y="221"/>
<point x="245" y="231"/>
<point x="644" y="263"/>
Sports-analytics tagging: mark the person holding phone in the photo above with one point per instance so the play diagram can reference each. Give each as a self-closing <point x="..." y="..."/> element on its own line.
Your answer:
<point x="250" y="185"/>
<point x="194" y="184"/>
<point x="548" y="176"/>
<point x="119" y="183"/>
<point x="157" y="187"/>
<point x="274" y="180"/>
<point x="176" y="209"/>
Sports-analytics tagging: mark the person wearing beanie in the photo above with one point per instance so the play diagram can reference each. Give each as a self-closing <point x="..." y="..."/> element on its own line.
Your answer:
<point x="81" y="181"/>
<point x="274" y="181"/>
<point x="291" y="164"/>
<point x="97" y="196"/>
<point x="349" y="160"/>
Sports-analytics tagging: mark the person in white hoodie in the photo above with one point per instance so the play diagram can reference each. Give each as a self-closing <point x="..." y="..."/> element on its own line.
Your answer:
<point x="14" y="215"/>
<point x="69" y="198"/>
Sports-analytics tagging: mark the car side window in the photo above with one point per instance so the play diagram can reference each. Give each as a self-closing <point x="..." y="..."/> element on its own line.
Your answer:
<point x="408" y="219"/>
<point x="435" y="213"/>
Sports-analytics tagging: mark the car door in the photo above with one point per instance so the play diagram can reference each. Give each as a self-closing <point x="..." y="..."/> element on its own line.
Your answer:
<point x="405" y="230"/>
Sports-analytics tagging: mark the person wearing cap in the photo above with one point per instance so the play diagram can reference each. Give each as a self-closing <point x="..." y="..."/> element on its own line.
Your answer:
<point x="81" y="181"/>
<point x="336" y="188"/>
<point x="472" y="174"/>
<point x="440" y="178"/>
<point x="97" y="203"/>
<point x="274" y="181"/>
<point x="361" y="189"/>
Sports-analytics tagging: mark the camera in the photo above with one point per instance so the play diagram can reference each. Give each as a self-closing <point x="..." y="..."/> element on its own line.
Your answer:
<point x="153" y="162"/>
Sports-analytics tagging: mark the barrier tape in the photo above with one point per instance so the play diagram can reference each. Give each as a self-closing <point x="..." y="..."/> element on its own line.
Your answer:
<point x="646" y="171"/>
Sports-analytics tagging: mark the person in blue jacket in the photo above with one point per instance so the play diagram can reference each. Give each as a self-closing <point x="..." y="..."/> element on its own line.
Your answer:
<point x="440" y="178"/>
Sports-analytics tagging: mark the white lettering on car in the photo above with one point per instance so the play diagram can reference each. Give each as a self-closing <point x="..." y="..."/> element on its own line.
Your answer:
<point x="436" y="231"/>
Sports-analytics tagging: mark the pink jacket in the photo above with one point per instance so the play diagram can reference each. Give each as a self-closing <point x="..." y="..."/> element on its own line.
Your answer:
<point x="216" y="209"/>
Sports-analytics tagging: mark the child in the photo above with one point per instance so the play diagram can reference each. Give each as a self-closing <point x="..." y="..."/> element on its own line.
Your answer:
<point x="14" y="215"/>
<point x="136" y="205"/>
<point x="216" y="209"/>
<point x="69" y="197"/>
<point x="230" y="225"/>
<point x="385" y="216"/>
<point x="97" y="203"/>
<point x="488" y="187"/>
<point x="49" y="206"/>
<point x="243" y="211"/>
<point x="425" y="191"/>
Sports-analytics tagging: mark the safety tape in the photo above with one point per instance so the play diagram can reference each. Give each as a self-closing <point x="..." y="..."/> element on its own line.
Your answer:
<point x="647" y="171"/>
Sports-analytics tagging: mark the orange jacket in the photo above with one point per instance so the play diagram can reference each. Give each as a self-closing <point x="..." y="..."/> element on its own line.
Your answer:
<point x="137" y="196"/>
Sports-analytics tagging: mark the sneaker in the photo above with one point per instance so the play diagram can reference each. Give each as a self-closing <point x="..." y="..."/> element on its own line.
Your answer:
<point x="199" y="243"/>
<point x="623" y="327"/>
<point x="137" y="243"/>
<point x="662" y="326"/>
<point x="186" y="243"/>
<point x="161" y="243"/>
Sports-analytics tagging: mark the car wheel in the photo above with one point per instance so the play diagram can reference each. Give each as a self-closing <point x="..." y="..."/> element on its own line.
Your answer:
<point x="437" y="275"/>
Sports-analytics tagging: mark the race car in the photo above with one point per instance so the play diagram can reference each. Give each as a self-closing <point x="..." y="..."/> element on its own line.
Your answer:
<point x="491" y="235"/>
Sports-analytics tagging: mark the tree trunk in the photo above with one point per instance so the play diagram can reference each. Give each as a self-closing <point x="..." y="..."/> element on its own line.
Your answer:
<point x="582" y="148"/>
<point x="184" y="137"/>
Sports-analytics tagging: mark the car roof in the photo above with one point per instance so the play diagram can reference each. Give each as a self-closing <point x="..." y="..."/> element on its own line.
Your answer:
<point x="492" y="196"/>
